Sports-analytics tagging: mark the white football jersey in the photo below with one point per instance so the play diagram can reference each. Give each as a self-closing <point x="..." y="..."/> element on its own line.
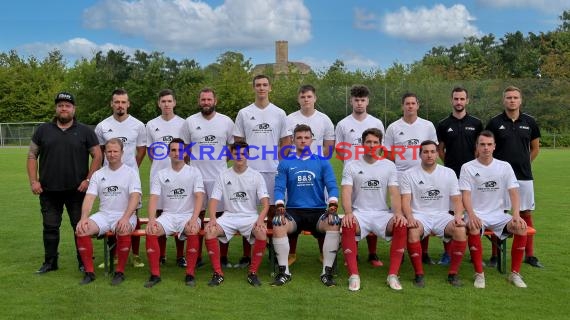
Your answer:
<point x="349" y="132"/>
<point x="113" y="187"/>
<point x="176" y="189"/>
<point x="240" y="192"/>
<point x="131" y="131"/>
<point x="161" y="131"/>
<point x="405" y="139"/>
<point x="321" y="126"/>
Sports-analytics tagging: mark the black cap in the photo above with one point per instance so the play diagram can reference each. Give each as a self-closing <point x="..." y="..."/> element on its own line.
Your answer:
<point x="65" y="96"/>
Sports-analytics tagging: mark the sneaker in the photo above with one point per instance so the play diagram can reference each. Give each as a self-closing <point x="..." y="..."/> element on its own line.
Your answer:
<point x="327" y="277"/>
<point x="354" y="282"/>
<point x="137" y="261"/>
<point x="253" y="279"/>
<point x="47" y="267"/>
<point x="181" y="262"/>
<point x="393" y="282"/>
<point x="454" y="281"/>
<point x="291" y="258"/>
<point x="162" y="261"/>
<point x="244" y="262"/>
<point x="375" y="260"/>
<point x="281" y="278"/>
<point x="445" y="259"/>
<point x="492" y="262"/>
<point x="225" y="263"/>
<point x="533" y="261"/>
<point x="216" y="280"/>
<point x="190" y="281"/>
<point x="88" y="278"/>
<point x="419" y="281"/>
<point x="118" y="278"/>
<point x="115" y="262"/>
<point x="479" y="282"/>
<point x="152" y="281"/>
<point x="516" y="279"/>
<point x="426" y="259"/>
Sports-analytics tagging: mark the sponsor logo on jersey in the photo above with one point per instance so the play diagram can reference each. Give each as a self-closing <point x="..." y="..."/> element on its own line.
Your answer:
<point x="305" y="177"/>
<point x="488" y="186"/>
<point x="111" y="191"/>
<point x="431" y="195"/>
<point x="412" y="142"/>
<point x="371" y="184"/>
<point x="262" y="128"/>
<point x="123" y="139"/>
<point x="470" y="128"/>
<point x="167" y="138"/>
<point x="240" y="196"/>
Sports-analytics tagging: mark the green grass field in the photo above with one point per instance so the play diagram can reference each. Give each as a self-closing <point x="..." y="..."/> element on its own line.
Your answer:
<point x="25" y="295"/>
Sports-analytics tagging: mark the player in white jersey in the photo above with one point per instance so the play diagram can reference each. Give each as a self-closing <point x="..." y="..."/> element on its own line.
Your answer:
<point x="181" y="191"/>
<point x="349" y="137"/>
<point x="323" y="139"/>
<point x="484" y="184"/>
<point x="239" y="188"/>
<point x="403" y="138"/>
<point x="132" y="133"/>
<point x="427" y="191"/>
<point x="159" y="133"/>
<point x="118" y="187"/>
<point x="366" y="185"/>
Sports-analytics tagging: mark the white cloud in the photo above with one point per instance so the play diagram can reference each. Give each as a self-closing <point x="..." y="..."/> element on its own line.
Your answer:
<point x="74" y="48"/>
<point x="551" y="6"/>
<point x="185" y="25"/>
<point x="427" y="25"/>
<point x="365" y="20"/>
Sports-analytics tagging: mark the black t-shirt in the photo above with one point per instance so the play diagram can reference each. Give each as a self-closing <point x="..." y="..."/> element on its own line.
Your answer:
<point x="459" y="137"/>
<point x="63" y="154"/>
<point x="513" y="141"/>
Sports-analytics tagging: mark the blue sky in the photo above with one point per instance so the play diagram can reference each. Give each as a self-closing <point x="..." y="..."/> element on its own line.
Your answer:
<point x="365" y="34"/>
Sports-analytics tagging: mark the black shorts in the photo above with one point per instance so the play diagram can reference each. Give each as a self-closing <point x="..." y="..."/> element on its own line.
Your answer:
<point x="307" y="220"/>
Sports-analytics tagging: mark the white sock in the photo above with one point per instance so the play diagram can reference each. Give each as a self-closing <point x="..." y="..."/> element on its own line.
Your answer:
<point x="281" y="246"/>
<point x="330" y="248"/>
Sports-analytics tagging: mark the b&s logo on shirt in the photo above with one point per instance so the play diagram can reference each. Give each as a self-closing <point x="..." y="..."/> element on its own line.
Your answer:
<point x="412" y="142"/>
<point x="167" y="138"/>
<point x="177" y="193"/>
<point x="240" y="196"/>
<point x="431" y="195"/>
<point x="209" y="140"/>
<point x="371" y="184"/>
<point x="262" y="128"/>
<point x="111" y="191"/>
<point x="305" y="178"/>
<point x="357" y="141"/>
<point x="123" y="139"/>
<point x="488" y="186"/>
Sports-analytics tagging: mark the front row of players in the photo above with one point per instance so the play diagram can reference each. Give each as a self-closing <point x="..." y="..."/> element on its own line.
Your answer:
<point x="419" y="207"/>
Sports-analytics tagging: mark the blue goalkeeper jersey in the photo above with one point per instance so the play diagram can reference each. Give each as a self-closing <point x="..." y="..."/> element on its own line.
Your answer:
<point x="304" y="181"/>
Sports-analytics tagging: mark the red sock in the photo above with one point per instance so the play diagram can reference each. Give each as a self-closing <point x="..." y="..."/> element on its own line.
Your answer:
<point x="372" y="241"/>
<point x="246" y="247"/>
<point x="399" y="239"/>
<point x="425" y="245"/>
<point x="180" y="247"/>
<point x="123" y="246"/>
<point x="192" y="253"/>
<point x="457" y="250"/>
<point x="494" y="248"/>
<point x="85" y="248"/>
<point x="224" y="249"/>
<point x="161" y="245"/>
<point x="214" y="252"/>
<point x="136" y="241"/>
<point x="517" y="252"/>
<point x="529" y="239"/>
<point x="476" y="250"/>
<point x="293" y="243"/>
<point x="349" y="249"/>
<point x="258" y="251"/>
<point x="415" y="252"/>
<point x="153" y="253"/>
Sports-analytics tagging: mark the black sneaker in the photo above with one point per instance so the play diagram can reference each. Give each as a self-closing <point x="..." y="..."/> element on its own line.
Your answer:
<point x="217" y="279"/>
<point x="492" y="262"/>
<point x="454" y="281"/>
<point x="327" y="277"/>
<point x="162" y="260"/>
<point x="253" y="279"/>
<point x="88" y="278"/>
<point x="181" y="262"/>
<point x="47" y="267"/>
<point x="533" y="261"/>
<point x="426" y="259"/>
<point x="118" y="278"/>
<point x="190" y="281"/>
<point x="419" y="281"/>
<point x="153" y="280"/>
<point x="244" y="262"/>
<point x="281" y="278"/>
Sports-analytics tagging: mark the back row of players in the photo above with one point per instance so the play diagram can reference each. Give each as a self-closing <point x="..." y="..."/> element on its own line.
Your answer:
<point x="364" y="185"/>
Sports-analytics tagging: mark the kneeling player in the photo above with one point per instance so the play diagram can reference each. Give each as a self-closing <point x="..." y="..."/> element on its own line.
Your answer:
<point x="427" y="191"/>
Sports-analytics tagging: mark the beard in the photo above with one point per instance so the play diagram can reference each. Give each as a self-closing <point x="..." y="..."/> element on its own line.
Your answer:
<point x="64" y="119"/>
<point x="207" y="110"/>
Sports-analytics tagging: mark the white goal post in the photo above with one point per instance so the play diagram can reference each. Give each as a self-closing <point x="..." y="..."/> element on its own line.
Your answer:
<point x="17" y="133"/>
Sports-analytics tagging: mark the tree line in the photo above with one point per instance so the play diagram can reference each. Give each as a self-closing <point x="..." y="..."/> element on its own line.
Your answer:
<point x="538" y="64"/>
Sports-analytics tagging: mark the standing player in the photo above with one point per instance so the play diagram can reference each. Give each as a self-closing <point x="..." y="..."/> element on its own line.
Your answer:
<point x="366" y="184"/>
<point x="263" y="126"/>
<point x="349" y="134"/>
<point x="301" y="180"/>
<point x="118" y="187"/>
<point x="427" y="191"/>
<point x="518" y="142"/>
<point x="323" y="138"/>
<point x="159" y="133"/>
<point x="63" y="147"/>
<point x="239" y="188"/>
<point x="209" y="132"/>
<point x="485" y="183"/>
<point x="132" y="133"/>
<point x="180" y="190"/>
<point x="403" y="138"/>
<point x="457" y="134"/>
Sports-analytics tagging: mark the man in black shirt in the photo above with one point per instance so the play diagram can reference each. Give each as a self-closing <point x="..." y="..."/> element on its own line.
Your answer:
<point x="62" y="149"/>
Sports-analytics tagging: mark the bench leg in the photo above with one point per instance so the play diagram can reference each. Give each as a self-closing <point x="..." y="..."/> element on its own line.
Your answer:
<point x="272" y="257"/>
